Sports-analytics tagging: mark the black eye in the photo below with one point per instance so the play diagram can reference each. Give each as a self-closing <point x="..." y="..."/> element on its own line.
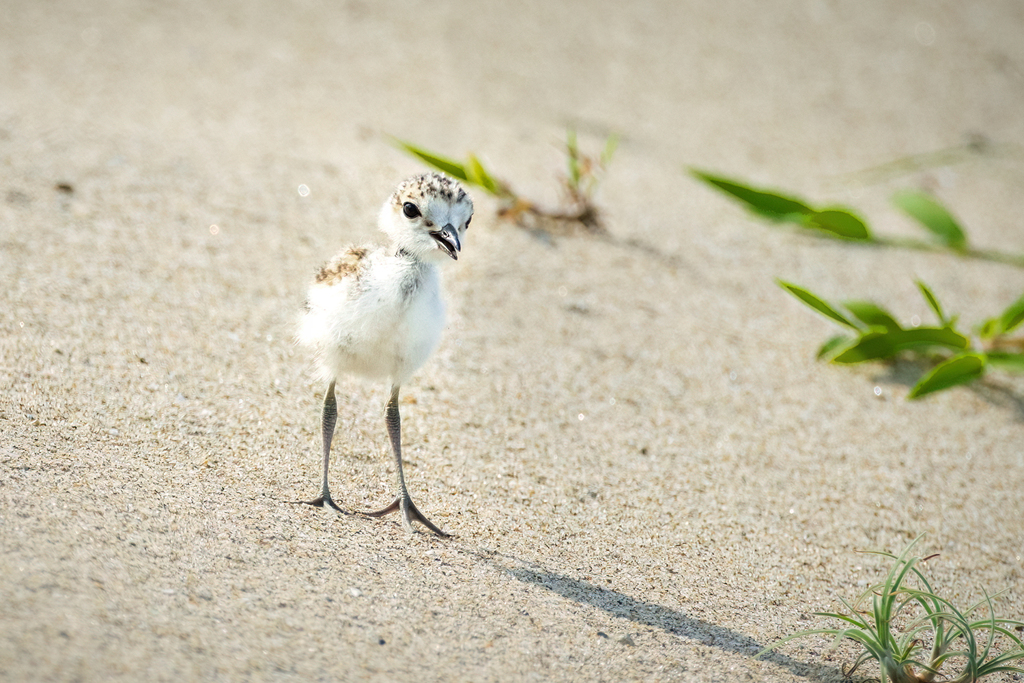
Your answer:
<point x="410" y="210"/>
<point x="467" y="223"/>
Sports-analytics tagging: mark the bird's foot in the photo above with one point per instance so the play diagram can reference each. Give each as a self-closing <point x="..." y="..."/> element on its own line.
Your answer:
<point x="410" y="514"/>
<point x="319" y="502"/>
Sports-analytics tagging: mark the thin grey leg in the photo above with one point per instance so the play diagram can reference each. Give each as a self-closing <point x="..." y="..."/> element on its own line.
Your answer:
<point x="403" y="502"/>
<point x="328" y="419"/>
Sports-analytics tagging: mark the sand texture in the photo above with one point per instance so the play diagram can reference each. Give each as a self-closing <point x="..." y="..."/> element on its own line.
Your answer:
<point x="648" y="474"/>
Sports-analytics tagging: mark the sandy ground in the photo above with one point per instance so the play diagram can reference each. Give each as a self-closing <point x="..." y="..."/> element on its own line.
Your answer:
<point x="648" y="474"/>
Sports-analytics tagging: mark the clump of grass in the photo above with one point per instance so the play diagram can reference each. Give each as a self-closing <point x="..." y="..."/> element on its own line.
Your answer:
<point x="953" y="356"/>
<point x="583" y="175"/>
<point x="578" y="213"/>
<point x="912" y="632"/>
<point x="944" y="231"/>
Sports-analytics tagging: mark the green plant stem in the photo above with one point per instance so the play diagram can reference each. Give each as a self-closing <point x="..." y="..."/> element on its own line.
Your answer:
<point x="993" y="255"/>
<point x="977" y="148"/>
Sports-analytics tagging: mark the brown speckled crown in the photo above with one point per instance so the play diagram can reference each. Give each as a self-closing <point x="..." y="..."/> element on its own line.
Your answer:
<point x="428" y="184"/>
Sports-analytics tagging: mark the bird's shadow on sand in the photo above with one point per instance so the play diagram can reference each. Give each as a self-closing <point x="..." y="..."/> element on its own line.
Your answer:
<point x="651" y="614"/>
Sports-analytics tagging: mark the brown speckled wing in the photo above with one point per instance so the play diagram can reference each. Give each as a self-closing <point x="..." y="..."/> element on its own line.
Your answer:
<point x="342" y="266"/>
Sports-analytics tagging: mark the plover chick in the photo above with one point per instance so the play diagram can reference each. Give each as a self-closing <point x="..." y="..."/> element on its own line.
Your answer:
<point x="378" y="313"/>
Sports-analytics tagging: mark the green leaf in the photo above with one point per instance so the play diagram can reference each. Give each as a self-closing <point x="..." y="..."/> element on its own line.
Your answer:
<point x="832" y="344"/>
<point x="449" y="166"/>
<point x="1004" y="360"/>
<point x="959" y="369"/>
<point x="1012" y="316"/>
<point x="478" y="175"/>
<point x="769" y="204"/>
<point x="1005" y="322"/>
<point x="838" y="223"/>
<point x="876" y="345"/>
<point x="932" y="301"/>
<point x="989" y="328"/>
<point x="932" y="215"/>
<point x="816" y="303"/>
<point x="872" y="315"/>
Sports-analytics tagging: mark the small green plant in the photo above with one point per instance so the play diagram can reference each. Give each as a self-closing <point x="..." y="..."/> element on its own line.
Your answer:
<point x="944" y="231"/>
<point x="954" y="357"/>
<point x="903" y="619"/>
<point x="583" y="176"/>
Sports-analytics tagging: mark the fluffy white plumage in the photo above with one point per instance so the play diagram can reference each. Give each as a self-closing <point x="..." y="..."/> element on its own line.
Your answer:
<point x="379" y="312"/>
<point x="372" y="326"/>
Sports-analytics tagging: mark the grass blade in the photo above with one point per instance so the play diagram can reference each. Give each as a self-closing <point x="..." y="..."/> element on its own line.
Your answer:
<point x="872" y="315"/>
<point x="478" y="175"/>
<point x="838" y="223"/>
<point x="1012" y="316"/>
<point x="816" y="303"/>
<point x="769" y="204"/>
<point x="832" y="345"/>
<point x="855" y="620"/>
<point x="932" y="300"/>
<point x="449" y="166"/>
<point x="801" y="634"/>
<point x="933" y="216"/>
<point x="959" y="369"/>
<point x="990" y="328"/>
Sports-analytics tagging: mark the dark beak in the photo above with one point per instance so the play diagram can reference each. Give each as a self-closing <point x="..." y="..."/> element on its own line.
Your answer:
<point x="448" y="239"/>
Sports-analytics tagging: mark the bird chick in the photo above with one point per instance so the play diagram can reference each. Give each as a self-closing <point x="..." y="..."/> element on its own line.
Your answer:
<point x="378" y="313"/>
